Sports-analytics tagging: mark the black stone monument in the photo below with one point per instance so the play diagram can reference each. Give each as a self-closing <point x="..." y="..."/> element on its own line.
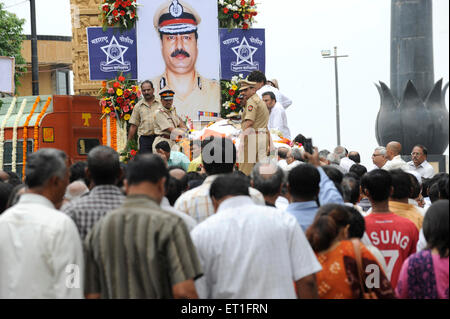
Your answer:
<point x="413" y="110"/>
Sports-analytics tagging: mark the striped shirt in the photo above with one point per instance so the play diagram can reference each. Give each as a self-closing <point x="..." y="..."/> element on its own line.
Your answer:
<point x="139" y="252"/>
<point x="198" y="204"/>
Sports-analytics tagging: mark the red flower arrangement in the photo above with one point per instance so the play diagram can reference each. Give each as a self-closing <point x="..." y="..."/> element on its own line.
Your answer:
<point x="118" y="13"/>
<point x="235" y="14"/>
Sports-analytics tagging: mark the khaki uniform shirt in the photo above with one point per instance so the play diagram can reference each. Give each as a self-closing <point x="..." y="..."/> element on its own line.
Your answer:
<point x="143" y="117"/>
<point x="256" y="110"/>
<point x="165" y="119"/>
<point x="139" y="251"/>
<point x="205" y="96"/>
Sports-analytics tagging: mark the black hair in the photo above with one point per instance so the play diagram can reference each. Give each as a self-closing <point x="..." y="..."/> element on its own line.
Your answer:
<point x="218" y="155"/>
<point x="425" y="186"/>
<point x="174" y="189"/>
<point x="163" y="146"/>
<point x="300" y="139"/>
<point x="5" y="192"/>
<point x="146" y="168"/>
<point x="355" y="158"/>
<point x="401" y="183"/>
<point x="329" y="221"/>
<point x="194" y="180"/>
<point x="271" y="95"/>
<point x="77" y="172"/>
<point x="267" y="185"/>
<point x="335" y="175"/>
<point x="433" y="192"/>
<point x="147" y="82"/>
<point x="121" y="181"/>
<point x="283" y="152"/>
<point x="104" y="165"/>
<point x="357" y="223"/>
<point x="359" y="170"/>
<point x="304" y="181"/>
<point x="415" y="187"/>
<point x="14" y="179"/>
<point x="229" y="185"/>
<point x="436" y="227"/>
<point x="424" y="149"/>
<point x="350" y="189"/>
<point x="443" y="187"/>
<point x="258" y="77"/>
<point x="378" y="183"/>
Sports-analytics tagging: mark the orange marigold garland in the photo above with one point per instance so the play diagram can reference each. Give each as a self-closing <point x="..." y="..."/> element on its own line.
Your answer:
<point x="38" y="121"/>
<point x="104" y="132"/>
<point x="113" y="133"/>
<point x="25" y="134"/>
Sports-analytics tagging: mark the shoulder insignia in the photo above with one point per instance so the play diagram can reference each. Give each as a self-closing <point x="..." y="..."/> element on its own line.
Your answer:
<point x="162" y="83"/>
<point x="250" y="108"/>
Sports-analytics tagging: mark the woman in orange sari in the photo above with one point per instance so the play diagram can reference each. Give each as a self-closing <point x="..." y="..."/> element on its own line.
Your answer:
<point x="339" y="278"/>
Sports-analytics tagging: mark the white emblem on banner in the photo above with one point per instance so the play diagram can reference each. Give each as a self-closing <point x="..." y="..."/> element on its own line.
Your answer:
<point x="244" y="57"/>
<point x="176" y="9"/>
<point x="115" y="57"/>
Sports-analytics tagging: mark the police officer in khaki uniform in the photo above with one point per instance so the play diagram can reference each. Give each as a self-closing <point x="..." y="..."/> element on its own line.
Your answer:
<point x="142" y="118"/>
<point x="255" y="118"/>
<point x="177" y="24"/>
<point x="168" y="125"/>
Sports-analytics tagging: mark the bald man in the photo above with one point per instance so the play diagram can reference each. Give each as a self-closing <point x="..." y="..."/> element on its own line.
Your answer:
<point x="393" y="154"/>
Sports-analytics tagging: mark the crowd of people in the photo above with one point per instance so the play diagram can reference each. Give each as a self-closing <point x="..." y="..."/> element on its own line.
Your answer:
<point x="306" y="225"/>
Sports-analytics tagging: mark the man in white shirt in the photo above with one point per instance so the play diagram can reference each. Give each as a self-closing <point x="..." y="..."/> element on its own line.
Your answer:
<point x="393" y="154"/>
<point x="252" y="252"/>
<point x="278" y="118"/>
<point x="262" y="87"/>
<point x="419" y="163"/>
<point x="379" y="157"/>
<point x="219" y="157"/>
<point x="345" y="162"/>
<point x="41" y="254"/>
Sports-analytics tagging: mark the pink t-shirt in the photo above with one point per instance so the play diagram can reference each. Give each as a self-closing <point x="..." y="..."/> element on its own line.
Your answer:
<point x="396" y="238"/>
<point x="416" y="280"/>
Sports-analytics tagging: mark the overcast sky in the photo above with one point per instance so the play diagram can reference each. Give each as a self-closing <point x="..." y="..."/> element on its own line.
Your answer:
<point x="296" y="32"/>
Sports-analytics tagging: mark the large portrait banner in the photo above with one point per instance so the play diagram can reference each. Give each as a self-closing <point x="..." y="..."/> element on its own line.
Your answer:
<point x="242" y="52"/>
<point x="178" y="49"/>
<point x="111" y="53"/>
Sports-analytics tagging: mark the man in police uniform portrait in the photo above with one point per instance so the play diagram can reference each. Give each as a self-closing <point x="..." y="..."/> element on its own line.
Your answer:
<point x="177" y="24"/>
<point x="168" y="125"/>
<point x="255" y="136"/>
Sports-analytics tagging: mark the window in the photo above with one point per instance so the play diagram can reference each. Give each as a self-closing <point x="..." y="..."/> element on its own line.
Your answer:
<point x="85" y="145"/>
<point x="7" y="155"/>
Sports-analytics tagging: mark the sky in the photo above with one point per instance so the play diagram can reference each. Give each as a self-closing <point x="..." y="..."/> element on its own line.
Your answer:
<point x="296" y="33"/>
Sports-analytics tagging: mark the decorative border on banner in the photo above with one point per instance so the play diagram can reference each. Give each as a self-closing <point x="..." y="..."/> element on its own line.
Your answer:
<point x="14" y="139"/>
<point x="37" y="124"/>
<point x="2" y="129"/>
<point x="25" y="135"/>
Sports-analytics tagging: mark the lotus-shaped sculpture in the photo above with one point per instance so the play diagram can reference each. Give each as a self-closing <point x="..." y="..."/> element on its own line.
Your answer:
<point x="414" y="120"/>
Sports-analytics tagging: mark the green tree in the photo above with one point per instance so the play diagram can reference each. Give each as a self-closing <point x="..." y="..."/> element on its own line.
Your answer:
<point x="11" y="39"/>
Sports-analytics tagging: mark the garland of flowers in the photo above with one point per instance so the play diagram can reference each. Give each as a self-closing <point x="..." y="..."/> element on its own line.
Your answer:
<point x="118" y="13"/>
<point x="104" y="133"/>
<point x="2" y="129"/>
<point x="38" y="122"/>
<point x="113" y="133"/>
<point x="25" y="135"/>
<point x="230" y="96"/>
<point x="14" y="139"/>
<point x="237" y="14"/>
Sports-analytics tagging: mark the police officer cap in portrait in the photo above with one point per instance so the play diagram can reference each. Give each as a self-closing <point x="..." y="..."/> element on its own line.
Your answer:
<point x="176" y="17"/>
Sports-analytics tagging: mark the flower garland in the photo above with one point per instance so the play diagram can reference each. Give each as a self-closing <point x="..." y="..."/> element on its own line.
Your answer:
<point x="230" y="96"/>
<point x="237" y="14"/>
<point x="38" y="122"/>
<point x="25" y="135"/>
<point x="104" y="132"/>
<point x="118" y="13"/>
<point x="2" y="129"/>
<point x="14" y="139"/>
<point x="113" y="133"/>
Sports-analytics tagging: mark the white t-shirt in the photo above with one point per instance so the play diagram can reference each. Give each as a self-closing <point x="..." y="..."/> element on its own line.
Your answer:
<point x="281" y="98"/>
<point x="278" y="120"/>
<point x="251" y="252"/>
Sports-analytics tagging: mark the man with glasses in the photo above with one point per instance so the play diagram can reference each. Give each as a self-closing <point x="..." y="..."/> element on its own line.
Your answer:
<point x="419" y="163"/>
<point x="379" y="157"/>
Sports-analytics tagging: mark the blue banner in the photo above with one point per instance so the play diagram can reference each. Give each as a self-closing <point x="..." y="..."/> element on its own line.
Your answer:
<point x="111" y="52"/>
<point x="242" y="52"/>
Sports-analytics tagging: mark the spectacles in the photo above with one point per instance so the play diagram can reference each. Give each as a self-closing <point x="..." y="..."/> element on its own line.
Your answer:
<point x="416" y="154"/>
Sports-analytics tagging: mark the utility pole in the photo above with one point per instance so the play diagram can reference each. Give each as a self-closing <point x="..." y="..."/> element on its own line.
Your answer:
<point x="327" y="55"/>
<point x="34" y="51"/>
